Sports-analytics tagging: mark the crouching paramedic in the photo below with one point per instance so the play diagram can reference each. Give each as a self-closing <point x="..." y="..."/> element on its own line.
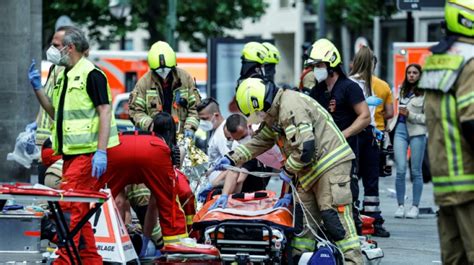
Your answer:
<point x="318" y="157"/>
<point x="143" y="157"/>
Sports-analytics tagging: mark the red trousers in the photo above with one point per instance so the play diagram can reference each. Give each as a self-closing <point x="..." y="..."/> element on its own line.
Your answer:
<point x="77" y="175"/>
<point x="147" y="159"/>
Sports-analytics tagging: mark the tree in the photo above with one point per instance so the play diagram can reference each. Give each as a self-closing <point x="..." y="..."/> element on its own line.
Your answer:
<point x="197" y="20"/>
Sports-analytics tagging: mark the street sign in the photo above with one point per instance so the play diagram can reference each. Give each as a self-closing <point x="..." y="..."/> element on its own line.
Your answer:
<point x="411" y="5"/>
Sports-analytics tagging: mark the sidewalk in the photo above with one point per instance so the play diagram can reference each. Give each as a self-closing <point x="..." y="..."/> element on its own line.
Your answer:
<point x="412" y="241"/>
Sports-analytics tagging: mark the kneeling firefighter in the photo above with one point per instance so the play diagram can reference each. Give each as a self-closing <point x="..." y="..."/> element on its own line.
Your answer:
<point x="318" y="158"/>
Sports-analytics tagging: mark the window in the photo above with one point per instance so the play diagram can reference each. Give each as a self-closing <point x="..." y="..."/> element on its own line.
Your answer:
<point x="128" y="45"/>
<point x="284" y="3"/>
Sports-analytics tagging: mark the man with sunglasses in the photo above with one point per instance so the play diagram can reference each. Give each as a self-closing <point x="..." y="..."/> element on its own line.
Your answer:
<point x="167" y="88"/>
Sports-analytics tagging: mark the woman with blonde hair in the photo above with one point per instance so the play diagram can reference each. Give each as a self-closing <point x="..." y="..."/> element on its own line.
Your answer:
<point x="368" y="164"/>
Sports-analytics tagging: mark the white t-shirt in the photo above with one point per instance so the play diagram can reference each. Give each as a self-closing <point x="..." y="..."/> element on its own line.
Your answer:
<point x="361" y="84"/>
<point x="218" y="145"/>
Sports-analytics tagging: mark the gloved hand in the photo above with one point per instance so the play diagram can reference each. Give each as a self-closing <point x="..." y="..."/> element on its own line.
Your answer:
<point x="378" y="134"/>
<point x="99" y="163"/>
<point x="188" y="133"/>
<point x="223" y="163"/>
<point x="283" y="202"/>
<point x="221" y="202"/>
<point x="373" y="101"/>
<point x="284" y="176"/>
<point x="202" y="196"/>
<point x="34" y="76"/>
<point x="31" y="127"/>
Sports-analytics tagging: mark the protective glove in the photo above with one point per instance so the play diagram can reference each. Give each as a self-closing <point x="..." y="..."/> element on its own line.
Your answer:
<point x="378" y="134"/>
<point x="283" y="202"/>
<point x="221" y="202"/>
<point x="99" y="163"/>
<point x="202" y="196"/>
<point x="31" y="127"/>
<point x="284" y="176"/>
<point x="223" y="163"/>
<point x="373" y="101"/>
<point x="34" y="76"/>
<point x="188" y="133"/>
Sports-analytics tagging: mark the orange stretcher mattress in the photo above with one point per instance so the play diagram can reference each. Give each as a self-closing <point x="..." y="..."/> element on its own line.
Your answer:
<point x="249" y="207"/>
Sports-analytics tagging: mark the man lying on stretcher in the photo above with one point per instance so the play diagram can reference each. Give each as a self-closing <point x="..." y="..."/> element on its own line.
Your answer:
<point x="238" y="130"/>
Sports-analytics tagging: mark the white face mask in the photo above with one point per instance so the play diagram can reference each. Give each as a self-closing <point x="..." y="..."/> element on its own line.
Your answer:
<point x="320" y="74"/>
<point x="163" y="72"/>
<point x="54" y="55"/>
<point x="245" y="139"/>
<point x="206" y="125"/>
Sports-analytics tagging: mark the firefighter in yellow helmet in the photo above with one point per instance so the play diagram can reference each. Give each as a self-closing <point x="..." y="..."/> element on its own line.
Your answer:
<point x="448" y="82"/>
<point x="317" y="157"/>
<point x="168" y="88"/>
<point x="271" y="60"/>
<point x="253" y="59"/>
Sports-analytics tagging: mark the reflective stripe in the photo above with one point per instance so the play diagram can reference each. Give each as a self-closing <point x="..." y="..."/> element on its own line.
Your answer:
<point x="137" y="194"/>
<point x="329" y="160"/>
<point x="189" y="219"/>
<point x="80" y="114"/>
<point x="244" y="151"/>
<point x="465" y="100"/>
<point x="151" y="93"/>
<point x="352" y="242"/>
<point x="458" y="183"/>
<point x="267" y="132"/>
<point x="305" y="127"/>
<point x="293" y="164"/>
<point x="143" y="121"/>
<point x="372" y="199"/>
<point x="140" y="102"/>
<point x="156" y="230"/>
<point x="290" y="130"/>
<point x="350" y="221"/>
<point x="328" y="117"/>
<point x="451" y="136"/>
<point x="81" y="139"/>
<point x="303" y="244"/>
<point x="193" y="121"/>
<point x="371" y="209"/>
<point x="174" y="239"/>
<point x="192" y="99"/>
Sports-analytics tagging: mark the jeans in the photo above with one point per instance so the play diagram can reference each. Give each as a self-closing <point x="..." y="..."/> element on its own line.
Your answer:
<point x="400" y="147"/>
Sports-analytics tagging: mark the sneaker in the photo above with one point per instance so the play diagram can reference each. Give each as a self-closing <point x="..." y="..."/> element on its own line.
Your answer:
<point x="400" y="213"/>
<point x="380" y="231"/>
<point x="413" y="213"/>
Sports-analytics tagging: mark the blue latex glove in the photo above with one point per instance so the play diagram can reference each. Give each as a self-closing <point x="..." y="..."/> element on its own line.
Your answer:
<point x="99" y="163"/>
<point x="221" y="202"/>
<point x="202" y="196"/>
<point x="31" y="127"/>
<point x="222" y="163"/>
<point x="34" y="76"/>
<point x="373" y="101"/>
<point x="284" y="176"/>
<point x="284" y="202"/>
<point x="378" y="134"/>
<point x="188" y="133"/>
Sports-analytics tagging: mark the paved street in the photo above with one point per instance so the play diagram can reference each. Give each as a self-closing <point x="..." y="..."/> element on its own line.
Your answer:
<point x="412" y="241"/>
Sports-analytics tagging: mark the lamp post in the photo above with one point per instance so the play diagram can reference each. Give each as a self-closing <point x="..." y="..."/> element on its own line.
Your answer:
<point x="120" y="9"/>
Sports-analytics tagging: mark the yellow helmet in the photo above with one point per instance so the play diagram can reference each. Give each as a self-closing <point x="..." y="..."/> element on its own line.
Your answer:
<point x="250" y="95"/>
<point x="254" y="52"/>
<point x="323" y="50"/>
<point x="273" y="55"/>
<point x="459" y="15"/>
<point x="161" y="55"/>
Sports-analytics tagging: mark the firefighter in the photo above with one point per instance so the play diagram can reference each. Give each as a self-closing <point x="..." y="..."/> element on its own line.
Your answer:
<point x="167" y="88"/>
<point x="270" y="61"/>
<point x="317" y="157"/>
<point x="253" y="59"/>
<point x="447" y="79"/>
<point x="84" y="128"/>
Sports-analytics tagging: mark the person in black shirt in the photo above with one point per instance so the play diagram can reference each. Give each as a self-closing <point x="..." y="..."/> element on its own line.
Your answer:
<point x="342" y="98"/>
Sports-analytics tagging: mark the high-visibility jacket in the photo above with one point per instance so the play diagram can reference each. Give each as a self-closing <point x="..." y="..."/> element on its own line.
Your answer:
<point x="43" y="120"/>
<point x="80" y="125"/>
<point x="306" y="134"/>
<point x="146" y="100"/>
<point x="448" y="82"/>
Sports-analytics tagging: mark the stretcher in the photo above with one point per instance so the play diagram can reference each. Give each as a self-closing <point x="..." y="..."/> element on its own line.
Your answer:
<point x="28" y="192"/>
<point x="248" y="230"/>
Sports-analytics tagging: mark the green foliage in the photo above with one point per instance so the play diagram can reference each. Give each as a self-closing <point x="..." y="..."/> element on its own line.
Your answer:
<point x="357" y="14"/>
<point x="197" y="20"/>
